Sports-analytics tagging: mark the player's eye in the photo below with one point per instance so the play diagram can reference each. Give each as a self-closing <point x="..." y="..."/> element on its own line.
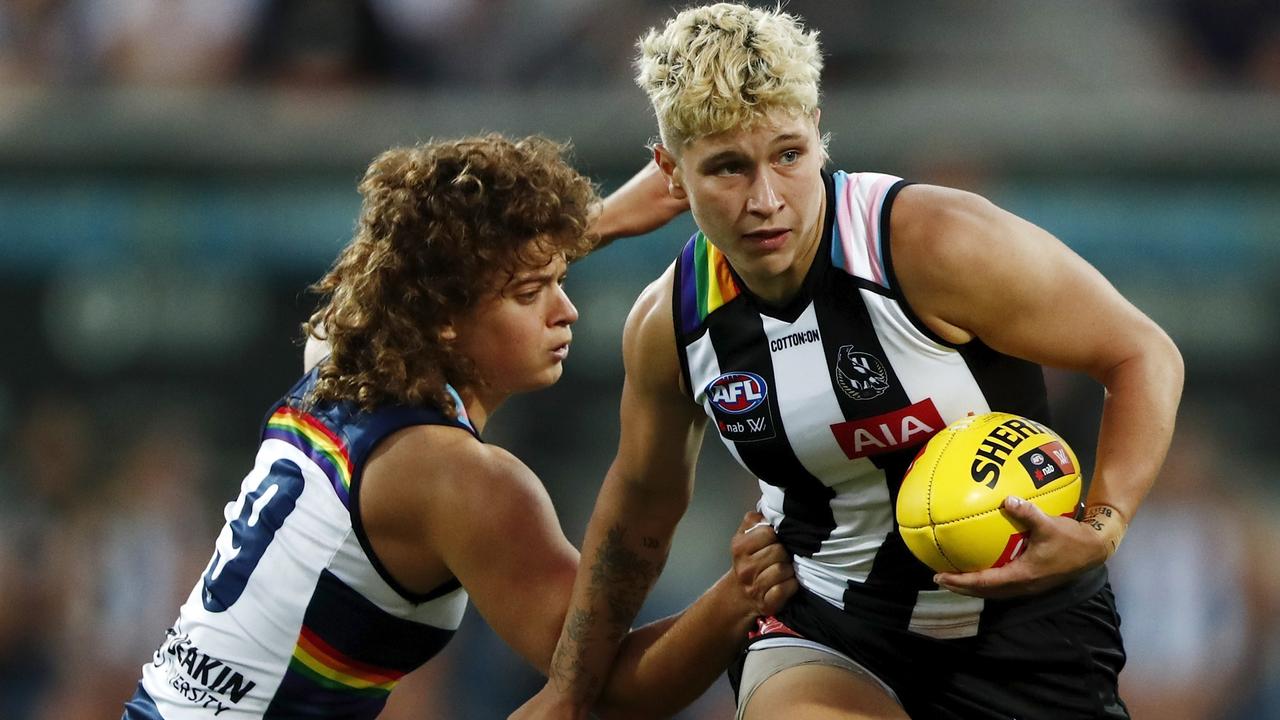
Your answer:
<point x="527" y="294"/>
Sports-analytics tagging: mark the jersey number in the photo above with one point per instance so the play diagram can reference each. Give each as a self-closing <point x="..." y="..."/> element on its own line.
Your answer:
<point x="244" y="539"/>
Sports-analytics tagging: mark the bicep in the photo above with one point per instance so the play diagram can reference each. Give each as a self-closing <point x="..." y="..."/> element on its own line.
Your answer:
<point x="504" y="544"/>
<point x="661" y="428"/>
<point x="993" y="275"/>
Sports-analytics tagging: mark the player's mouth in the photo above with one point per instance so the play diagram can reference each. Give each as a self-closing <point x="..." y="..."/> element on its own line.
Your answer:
<point x="560" y="352"/>
<point x="767" y="238"/>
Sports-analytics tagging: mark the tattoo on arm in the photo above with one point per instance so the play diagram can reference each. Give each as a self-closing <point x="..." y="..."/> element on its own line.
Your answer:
<point x="568" y="667"/>
<point x="624" y="578"/>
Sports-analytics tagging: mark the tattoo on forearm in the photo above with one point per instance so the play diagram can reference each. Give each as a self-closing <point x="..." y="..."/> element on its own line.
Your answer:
<point x="1096" y="510"/>
<point x="622" y="578"/>
<point x="1108" y="521"/>
<point x="578" y="627"/>
<point x="1096" y="515"/>
<point x="569" y="668"/>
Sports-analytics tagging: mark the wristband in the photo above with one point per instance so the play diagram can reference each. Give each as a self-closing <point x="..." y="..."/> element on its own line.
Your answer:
<point x="1109" y="522"/>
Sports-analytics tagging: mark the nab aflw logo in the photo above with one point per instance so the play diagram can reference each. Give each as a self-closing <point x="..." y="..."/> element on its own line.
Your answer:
<point x="740" y="403"/>
<point x="737" y="392"/>
<point x="859" y="375"/>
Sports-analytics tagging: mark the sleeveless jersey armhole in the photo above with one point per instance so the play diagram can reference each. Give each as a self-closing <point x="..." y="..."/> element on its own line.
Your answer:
<point x="388" y="423"/>
<point x="891" y="276"/>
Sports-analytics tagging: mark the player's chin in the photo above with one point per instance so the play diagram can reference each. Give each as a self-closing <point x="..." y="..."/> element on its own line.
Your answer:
<point x="547" y="377"/>
<point x="772" y="263"/>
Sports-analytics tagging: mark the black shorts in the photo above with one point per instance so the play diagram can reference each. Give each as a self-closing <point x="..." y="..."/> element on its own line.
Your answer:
<point x="1058" y="666"/>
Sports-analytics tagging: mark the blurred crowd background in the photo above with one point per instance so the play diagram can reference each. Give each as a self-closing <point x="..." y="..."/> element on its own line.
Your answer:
<point x="175" y="173"/>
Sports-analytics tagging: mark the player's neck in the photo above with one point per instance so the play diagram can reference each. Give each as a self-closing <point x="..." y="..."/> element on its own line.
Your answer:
<point x="480" y="405"/>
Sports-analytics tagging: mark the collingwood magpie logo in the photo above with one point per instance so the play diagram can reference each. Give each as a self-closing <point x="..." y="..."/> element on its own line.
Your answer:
<point x="859" y="375"/>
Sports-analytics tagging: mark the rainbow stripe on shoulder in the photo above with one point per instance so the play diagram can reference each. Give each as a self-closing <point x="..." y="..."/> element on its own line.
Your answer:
<point x="318" y="442"/>
<point x="706" y="283"/>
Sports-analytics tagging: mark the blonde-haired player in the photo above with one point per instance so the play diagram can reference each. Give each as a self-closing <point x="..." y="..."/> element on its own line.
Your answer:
<point x="827" y="323"/>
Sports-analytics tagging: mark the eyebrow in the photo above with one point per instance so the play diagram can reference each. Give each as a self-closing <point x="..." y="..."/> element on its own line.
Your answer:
<point x="735" y="154"/>
<point x="540" y="276"/>
<point x="720" y="158"/>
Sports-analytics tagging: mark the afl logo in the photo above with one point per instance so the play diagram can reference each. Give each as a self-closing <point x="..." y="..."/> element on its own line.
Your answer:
<point x="737" y="392"/>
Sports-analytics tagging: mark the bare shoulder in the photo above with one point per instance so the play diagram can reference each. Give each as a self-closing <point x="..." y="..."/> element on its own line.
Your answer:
<point x="955" y="251"/>
<point x="648" y="340"/>
<point x="445" y="464"/>
<point x="970" y="269"/>
<point x="651" y="313"/>
<point x="939" y="230"/>
<point x="428" y="481"/>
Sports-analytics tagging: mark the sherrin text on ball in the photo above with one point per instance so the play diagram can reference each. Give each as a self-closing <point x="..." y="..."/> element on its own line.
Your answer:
<point x="949" y="506"/>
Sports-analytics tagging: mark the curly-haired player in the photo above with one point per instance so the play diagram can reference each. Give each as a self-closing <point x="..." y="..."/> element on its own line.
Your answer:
<point x="374" y="509"/>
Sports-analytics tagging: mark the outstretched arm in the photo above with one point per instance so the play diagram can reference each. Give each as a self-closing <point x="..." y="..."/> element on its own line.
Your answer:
<point x="438" y="504"/>
<point x="971" y="270"/>
<point x="493" y="527"/>
<point x="666" y="665"/>
<point x="644" y="495"/>
<point x="640" y="206"/>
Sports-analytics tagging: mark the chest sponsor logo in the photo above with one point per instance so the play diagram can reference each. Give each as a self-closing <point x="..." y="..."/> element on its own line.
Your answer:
<point x="859" y="375"/>
<point x="740" y="404"/>
<point x="200" y="678"/>
<point x="796" y="338"/>
<point x="900" y="429"/>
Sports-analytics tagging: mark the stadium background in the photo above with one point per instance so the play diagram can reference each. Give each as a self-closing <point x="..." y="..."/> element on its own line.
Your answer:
<point x="174" y="173"/>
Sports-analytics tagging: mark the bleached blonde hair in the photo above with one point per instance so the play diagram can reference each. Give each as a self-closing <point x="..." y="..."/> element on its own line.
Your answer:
<point x="726" y="66"/>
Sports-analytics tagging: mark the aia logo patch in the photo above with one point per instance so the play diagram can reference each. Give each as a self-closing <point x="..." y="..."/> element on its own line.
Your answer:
<point x="905" y="428"/>
<point x="859" y="375"/>
<point x="739" y="402"/>
<point x="737" y="392"/>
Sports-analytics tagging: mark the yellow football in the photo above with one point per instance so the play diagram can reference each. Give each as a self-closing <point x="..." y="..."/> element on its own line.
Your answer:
<point x="948" y="507"/>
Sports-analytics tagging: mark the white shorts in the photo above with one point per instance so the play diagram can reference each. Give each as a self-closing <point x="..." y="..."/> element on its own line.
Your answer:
<point x="771" y="656"/>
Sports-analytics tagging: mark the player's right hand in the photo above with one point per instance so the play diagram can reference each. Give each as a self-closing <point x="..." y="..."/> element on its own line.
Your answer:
<point x="762" y="565"/>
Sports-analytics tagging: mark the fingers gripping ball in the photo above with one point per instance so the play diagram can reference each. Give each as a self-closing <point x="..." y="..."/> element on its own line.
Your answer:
<point x="949" y="505"/>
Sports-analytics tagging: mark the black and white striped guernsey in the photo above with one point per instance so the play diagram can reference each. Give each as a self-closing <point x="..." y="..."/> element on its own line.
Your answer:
<point x="827" y="399"/>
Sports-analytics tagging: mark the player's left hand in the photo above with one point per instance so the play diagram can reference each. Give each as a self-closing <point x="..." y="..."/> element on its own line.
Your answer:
<point x="1058" y="549"/>
<point x="762" y="566"/>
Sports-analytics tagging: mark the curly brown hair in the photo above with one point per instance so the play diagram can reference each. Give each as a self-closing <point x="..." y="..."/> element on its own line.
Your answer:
<point x="440" y="223"/>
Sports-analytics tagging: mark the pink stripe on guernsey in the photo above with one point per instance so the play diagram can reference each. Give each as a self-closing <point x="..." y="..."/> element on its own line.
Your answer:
<point x="876" y="197"/>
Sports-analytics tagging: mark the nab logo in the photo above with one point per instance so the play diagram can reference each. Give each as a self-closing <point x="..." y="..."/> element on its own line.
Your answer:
<point x="737" y="392"/>
<point x="1047" y="463"/>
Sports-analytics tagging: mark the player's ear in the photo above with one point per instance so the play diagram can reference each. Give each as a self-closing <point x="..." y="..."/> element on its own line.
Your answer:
<point x="666" y="162"/>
